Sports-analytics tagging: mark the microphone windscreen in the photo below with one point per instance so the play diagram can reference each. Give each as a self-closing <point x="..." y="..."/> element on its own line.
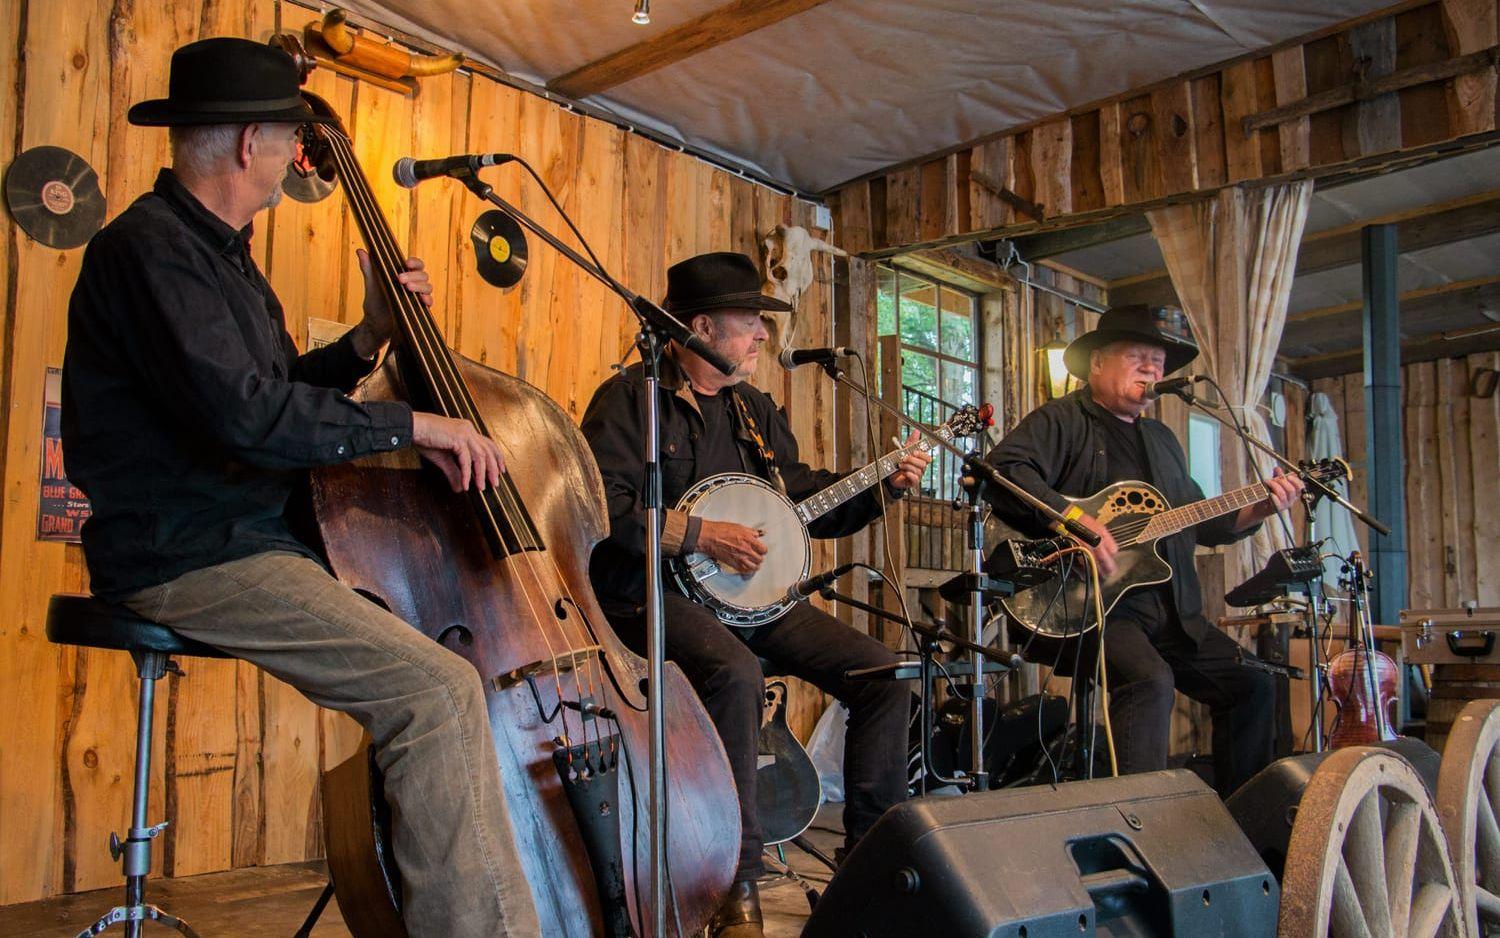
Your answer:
<point x="404" y="172"/>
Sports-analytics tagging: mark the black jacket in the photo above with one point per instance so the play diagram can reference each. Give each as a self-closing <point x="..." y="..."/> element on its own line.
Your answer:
<point x="1057" y="450"/>
<point x="186" y="411"/>
<point x="614" y="425"/>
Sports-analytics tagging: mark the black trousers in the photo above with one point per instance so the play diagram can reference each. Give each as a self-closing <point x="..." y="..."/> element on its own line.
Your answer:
<point x="722" y="665"/>
<point x="1146" y="661"/>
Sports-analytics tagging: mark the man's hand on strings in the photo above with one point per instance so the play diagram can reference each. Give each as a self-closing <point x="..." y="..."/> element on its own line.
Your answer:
<point x="738" y="549"/>
<point x="379" y="323"/>
<point x="912" y="466"/>
<point x="467" y="457"/>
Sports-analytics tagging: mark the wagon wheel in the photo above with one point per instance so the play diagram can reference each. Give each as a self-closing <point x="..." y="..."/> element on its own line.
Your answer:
<point x="1367" y="856"/>
<point x="1468" y="797"/>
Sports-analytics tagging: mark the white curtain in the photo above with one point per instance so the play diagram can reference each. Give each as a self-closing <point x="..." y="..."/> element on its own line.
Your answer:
<point x="1232" y="259"/>
<point x="1332" y="521"/>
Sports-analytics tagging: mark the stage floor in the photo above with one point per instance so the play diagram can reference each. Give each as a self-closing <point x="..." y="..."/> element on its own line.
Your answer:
<point x="274" y="900"/>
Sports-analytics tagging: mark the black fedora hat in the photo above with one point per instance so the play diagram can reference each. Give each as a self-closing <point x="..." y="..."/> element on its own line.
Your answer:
<point x="228" y="81"/>
<point x="722" y="280"/>
<point x="1136" y="322"/>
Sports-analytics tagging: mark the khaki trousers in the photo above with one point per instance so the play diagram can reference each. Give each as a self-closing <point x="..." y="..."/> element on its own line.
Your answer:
<point x="422" y="704"/>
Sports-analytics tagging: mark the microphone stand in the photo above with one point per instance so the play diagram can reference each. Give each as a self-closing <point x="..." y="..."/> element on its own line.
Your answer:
<point x="982" y="474"/>
<point x="1320" y="489"/>
<point x="657" y="327"/>
<point x="1314" y="489"/>
<point x="982" y="469"/>
<point x="929" y="641"/>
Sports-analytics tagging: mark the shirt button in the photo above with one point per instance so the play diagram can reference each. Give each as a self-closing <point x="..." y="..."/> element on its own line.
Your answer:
<point x="395" y="440"/>
<point x="340" y="450"/>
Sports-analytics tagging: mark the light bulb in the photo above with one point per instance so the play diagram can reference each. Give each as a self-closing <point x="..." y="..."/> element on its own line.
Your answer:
<point x="642" y="16"/>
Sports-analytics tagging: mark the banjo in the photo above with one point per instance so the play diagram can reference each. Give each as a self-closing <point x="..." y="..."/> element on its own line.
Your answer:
<point x="747" y="600"/>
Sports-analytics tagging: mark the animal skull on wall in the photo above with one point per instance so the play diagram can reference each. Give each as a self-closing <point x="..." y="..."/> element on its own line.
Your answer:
<point x="787" y="255"/>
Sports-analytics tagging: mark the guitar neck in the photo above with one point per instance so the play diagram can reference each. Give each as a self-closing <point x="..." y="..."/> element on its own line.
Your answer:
<point x="1177" y="519"/>
<point x="821" y="503"/>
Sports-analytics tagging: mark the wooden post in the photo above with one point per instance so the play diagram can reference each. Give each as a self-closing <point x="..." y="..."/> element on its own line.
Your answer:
<point x="1383" y="420"/>
<point x="892" y="528"/>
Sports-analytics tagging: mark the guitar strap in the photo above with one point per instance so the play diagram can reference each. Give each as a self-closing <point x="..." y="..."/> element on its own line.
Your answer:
<point x="748" y="425"/>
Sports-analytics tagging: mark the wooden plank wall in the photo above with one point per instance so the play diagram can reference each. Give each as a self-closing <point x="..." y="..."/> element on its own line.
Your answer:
<point x="238" y="753"/>
<point x="1186" y="136"/>
<point x="1452" y="461"/>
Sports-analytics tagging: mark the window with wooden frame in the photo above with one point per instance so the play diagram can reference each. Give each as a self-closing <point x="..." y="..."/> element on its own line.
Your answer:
<point x="935" y="326"/>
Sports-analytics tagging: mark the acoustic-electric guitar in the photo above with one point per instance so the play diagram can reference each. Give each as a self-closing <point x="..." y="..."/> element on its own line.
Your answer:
<point x="1138" y="516"/>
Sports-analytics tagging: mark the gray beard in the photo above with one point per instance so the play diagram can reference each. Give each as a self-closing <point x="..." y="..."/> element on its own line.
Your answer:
<point x="274" y="198"/>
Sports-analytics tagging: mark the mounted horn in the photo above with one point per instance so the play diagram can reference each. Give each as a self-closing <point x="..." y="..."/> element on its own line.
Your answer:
<point x="339" y="46"/>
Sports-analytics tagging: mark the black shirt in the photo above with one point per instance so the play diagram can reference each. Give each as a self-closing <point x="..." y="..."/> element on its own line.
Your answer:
<point x="717" y="451"/>
<point x="1125" y="456"/>
<point x="187" y="412"/>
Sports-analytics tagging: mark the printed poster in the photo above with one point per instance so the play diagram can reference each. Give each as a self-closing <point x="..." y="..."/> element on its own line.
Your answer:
<point x="63" y="508"/>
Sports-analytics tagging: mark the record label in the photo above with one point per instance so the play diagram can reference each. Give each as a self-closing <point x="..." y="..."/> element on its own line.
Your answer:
<point x="53" y="194"/>
<point x="499" y="248"/>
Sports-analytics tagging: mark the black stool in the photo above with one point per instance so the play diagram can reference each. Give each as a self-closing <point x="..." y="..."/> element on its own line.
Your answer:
<point x="93" y="623"/>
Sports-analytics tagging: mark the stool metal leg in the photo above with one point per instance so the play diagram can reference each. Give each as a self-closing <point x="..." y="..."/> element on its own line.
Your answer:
<point x="152" y="666"/>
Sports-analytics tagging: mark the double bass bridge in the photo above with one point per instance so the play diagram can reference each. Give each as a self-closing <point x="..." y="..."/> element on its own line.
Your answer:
<point x="572" y="660"/>
<point x="538" y="672"/>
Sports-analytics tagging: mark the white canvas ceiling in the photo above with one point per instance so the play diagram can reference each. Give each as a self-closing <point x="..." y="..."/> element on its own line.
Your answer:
<point x="852" y="86"/>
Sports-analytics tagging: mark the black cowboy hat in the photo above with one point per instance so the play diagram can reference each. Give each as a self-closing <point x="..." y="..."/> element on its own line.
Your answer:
<point x="1136" y="322"/>
<point x="228" y="81"/>
<point x="723" y="280"/>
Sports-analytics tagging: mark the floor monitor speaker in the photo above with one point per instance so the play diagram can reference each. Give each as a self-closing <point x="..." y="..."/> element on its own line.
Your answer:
<point x="1152" y="854"/>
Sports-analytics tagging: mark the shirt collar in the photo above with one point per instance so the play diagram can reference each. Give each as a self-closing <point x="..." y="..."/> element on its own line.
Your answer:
<point x="209" y="226"/>
<point x="1094" y="409"/>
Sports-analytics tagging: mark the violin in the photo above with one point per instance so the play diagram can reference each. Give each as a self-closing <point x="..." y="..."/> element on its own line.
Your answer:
<point x="500" y="576"/>
<point x="1365" y="681"/>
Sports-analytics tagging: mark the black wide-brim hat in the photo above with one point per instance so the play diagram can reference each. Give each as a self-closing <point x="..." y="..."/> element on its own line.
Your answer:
<point x="228" y="81"/>
<point x="718" y="281"/>
<point x="1136" y="322"/>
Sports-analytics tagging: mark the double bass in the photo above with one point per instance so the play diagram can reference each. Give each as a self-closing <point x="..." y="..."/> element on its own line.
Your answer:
<point x="500" y="576"/>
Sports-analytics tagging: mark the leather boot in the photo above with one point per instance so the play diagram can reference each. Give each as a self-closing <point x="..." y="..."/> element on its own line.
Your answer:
<point x="739" y="914"/>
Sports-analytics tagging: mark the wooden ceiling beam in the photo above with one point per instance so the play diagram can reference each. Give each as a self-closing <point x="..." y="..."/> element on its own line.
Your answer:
<point x="1450" y="344"/>
<point x="1419" y="228"/>
<point x="713" y="28"/>
<point x="1333" y="331"/>
<point x="1184" y="139"/>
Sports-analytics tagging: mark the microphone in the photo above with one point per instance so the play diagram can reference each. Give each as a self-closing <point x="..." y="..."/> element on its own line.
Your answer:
<point x="408" y="172"/>
<point x="792" y="357"/>
<point x="1172" y="386"/>
<point x="802" y="589"/>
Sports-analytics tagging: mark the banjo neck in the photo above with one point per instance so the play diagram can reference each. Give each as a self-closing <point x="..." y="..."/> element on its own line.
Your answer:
<point x="822" y="502"/>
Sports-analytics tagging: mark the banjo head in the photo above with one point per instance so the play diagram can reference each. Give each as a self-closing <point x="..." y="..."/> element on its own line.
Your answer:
<point x="739" y="598"/>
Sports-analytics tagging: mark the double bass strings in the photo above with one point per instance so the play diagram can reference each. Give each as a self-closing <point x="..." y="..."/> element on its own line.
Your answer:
<point x="447" y="385"/>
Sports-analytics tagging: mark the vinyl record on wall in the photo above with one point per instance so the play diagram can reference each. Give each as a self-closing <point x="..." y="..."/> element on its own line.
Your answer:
<point x="499" y="248"/>
<point x="307" y="185"/>
<point x="53" y="194"/>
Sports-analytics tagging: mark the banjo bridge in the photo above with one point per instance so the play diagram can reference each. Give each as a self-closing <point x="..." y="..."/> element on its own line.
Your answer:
<point x="705" y="568"/>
